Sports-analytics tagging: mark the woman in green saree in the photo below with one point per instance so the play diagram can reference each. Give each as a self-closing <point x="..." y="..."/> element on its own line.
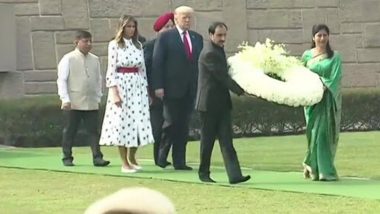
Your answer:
<point x="323" y="118"/>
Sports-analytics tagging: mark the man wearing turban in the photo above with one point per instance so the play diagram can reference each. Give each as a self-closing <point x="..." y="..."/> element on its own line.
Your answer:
<point x="162" y="23"/>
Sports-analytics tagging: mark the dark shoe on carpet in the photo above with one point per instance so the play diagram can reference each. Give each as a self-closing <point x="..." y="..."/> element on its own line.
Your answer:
<point x="101" y="162"/>
<point x="68" y="163"/>
<point x="183" y="168"/>
<point x="163" y="164"/>
<point x="206" y="179"/>
<point x="241" y="180"/>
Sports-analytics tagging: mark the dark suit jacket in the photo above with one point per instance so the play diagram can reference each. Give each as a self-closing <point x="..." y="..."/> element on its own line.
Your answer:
<point x="172" y="70"/>
<point x="141" y="39"/>
<point x="148" y="56"/>
<point x="214" y="82"/>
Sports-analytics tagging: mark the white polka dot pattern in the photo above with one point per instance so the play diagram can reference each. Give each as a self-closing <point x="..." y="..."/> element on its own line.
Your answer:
<point x="128" y="125"/>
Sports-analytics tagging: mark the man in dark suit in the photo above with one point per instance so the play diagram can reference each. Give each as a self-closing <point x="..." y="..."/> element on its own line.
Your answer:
<point x="163" y="23"/>
<point x="174" y="78"/>
<point x="214" y="104"/>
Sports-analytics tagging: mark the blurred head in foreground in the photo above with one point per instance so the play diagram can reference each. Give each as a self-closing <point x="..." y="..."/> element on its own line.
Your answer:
<point x="134" y="200"/>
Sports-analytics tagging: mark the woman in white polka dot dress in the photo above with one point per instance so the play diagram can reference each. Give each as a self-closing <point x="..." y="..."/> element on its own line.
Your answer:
<point x="126" y="122"/>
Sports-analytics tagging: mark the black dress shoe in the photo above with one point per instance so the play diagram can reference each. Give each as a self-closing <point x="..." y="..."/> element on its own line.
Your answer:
<point x="68" y="163"/>
<point x="168" y="163"/>
<point x="163" y="164"/>
<point x="206" y="179"/>
<point x="101" y="162"/>
<point x="183" y="168"/>
<point x="241" y="180"/>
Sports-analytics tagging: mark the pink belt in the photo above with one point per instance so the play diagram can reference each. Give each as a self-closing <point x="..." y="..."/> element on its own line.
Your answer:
<point x="127" y="70"/>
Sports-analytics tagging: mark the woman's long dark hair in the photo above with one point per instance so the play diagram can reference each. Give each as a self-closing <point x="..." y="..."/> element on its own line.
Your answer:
<point x="316" y="28"/>
<point x="123" y="21"/>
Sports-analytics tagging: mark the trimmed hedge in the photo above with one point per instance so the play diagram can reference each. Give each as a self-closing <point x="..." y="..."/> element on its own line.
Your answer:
<point x="360" y="112"/>
<point x="37" y="121"/>
<point x="31" y="122"/>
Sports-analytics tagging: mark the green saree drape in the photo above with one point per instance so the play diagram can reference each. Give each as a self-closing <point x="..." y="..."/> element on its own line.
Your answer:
<point x="323" y="118"/>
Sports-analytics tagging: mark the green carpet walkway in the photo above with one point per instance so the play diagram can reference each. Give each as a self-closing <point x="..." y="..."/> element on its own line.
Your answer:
<point x="269" y="180"/>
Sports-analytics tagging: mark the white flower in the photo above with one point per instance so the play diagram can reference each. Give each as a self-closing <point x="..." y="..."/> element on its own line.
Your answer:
<point x="251" y="68"/>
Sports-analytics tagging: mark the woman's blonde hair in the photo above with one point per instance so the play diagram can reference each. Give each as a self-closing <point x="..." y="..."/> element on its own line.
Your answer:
<point x="123" y="21"/>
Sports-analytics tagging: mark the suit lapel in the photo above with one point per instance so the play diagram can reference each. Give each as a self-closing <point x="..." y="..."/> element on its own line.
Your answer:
<point x="193" y="43"/>
<point x="178" y="42"/>
<point x="177" y="37"/>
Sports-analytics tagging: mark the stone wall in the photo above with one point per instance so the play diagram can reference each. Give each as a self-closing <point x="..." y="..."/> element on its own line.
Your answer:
<point x="45" y="29"/>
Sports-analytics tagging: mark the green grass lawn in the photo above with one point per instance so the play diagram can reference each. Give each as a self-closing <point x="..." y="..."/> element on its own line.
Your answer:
<point x="34" y="191"/>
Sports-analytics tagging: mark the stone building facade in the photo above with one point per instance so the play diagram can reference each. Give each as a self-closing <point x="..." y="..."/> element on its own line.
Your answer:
<point x="35" y="34"/>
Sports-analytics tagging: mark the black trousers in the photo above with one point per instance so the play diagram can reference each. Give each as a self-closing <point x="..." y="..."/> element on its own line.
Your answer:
<point x="72" y="119"/>
<point x="156" y="120"/>
<point x="217" y="124"/>
<point x="177" y="115"/>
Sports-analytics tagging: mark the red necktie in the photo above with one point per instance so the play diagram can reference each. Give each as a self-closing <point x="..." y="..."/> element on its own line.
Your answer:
<point x="187" y="46"/>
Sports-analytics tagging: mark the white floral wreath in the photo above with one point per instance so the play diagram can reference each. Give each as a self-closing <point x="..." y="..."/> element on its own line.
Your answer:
<point x="253" y="69"/>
